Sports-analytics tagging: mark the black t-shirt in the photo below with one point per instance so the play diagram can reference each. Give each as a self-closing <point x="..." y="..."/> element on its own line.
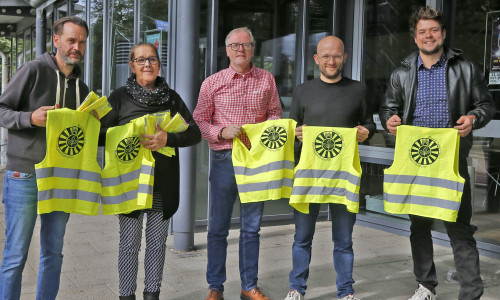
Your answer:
<point x="340" y="104"/>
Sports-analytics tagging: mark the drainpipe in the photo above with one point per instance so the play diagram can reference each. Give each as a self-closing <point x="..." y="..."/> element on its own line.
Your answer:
<point x="41" y="25"/>
<point x="3" y="131"/>
<point x="186" y="84"/>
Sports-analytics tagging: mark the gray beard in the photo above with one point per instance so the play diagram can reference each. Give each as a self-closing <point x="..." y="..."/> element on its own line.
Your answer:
<point x="68" y="60"/>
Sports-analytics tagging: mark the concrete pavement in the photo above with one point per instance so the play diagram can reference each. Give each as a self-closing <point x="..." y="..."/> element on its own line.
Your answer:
<point x="383" y="265"/>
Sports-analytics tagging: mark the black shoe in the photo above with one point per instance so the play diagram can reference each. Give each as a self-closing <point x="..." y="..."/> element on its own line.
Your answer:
<point x="131" y="297"/>
<point x="151" y="295"/>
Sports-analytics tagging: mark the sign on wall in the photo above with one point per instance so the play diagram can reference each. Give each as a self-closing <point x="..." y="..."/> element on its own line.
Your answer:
<point x="495" y="52"/>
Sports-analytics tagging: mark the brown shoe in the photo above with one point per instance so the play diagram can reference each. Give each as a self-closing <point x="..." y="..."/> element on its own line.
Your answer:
<point x="254" y="294"/>
<point x="215" y="295"/>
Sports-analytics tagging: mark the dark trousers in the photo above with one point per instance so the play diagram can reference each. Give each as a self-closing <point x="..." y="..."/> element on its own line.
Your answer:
<point x="462" y="242"/>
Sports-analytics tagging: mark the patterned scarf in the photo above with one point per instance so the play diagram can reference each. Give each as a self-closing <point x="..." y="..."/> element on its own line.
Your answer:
<point x="159" y="95"/>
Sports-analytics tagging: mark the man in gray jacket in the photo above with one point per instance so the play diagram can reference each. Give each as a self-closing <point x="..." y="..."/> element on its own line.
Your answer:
<point x="48" y="82"/>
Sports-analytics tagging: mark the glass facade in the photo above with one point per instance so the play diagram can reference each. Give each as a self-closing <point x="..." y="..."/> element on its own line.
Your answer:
<point x="386" y="43"/>
<point x="376" y="38"/>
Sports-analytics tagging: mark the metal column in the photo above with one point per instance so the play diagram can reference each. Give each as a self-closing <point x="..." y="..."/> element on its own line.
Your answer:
<point x="41" y="24"/>
<point x="186" y="84"/>
<point x="3" y="131"/>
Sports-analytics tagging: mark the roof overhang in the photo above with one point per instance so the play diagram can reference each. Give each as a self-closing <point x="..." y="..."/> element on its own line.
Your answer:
<point x="13" y="11"/>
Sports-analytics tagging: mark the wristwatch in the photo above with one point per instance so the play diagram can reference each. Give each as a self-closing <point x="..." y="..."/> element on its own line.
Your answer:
<point x="220" y="134"/>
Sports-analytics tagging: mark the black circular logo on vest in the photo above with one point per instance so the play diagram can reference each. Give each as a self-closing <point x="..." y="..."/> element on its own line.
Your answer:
<point x="71" y="141"/>
<point x="328" y="144"/>
<point x="274" y="137"/>
<point x="424" y="151"/>
<point x="128" y="149"/>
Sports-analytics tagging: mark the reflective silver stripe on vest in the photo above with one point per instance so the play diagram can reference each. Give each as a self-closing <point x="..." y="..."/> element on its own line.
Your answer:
<point x="262" y="186"/>
<point x="68" y="194"/>
<point x="67" y="173"/>
<point x="427" y="181"/>
<point x="328" y="174"/>
<point x="427" y="201"/>
<point x="324" y="191"/>
<point x="130" y="195"/>
<point x="273" y="166"/>
<point x="114" y="181"/>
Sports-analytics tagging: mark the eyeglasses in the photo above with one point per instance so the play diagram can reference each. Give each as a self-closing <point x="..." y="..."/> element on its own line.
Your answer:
<point x="326" y="58"/>
<point x="236" y="46"/>
<point x="142" y="61"/>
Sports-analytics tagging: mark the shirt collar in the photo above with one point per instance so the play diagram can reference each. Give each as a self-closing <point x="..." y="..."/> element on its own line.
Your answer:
<point x="440" y="63"/>
<point x="232" y="73"/>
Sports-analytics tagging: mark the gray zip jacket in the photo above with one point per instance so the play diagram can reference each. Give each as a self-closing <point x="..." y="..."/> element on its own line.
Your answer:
<point x="36" y="83"/>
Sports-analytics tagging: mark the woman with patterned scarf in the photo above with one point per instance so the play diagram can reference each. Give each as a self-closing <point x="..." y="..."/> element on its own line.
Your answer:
<point x="146" y="93"/>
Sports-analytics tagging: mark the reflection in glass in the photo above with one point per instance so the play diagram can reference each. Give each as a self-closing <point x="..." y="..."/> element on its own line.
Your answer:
<point x="27" y="44"/>
<point x="466" y="31"/>
<point x="386" y="42"/>
<point x="13" y="58"/>
<point x="320" y="25"/>
<point x="20" y="50"/>
<point x="48" y="34"/>
<point x="62" y="11"/>
<point x="121" y="41"/>
<point x="274" y="26"/>
<point x="154" y="27"/>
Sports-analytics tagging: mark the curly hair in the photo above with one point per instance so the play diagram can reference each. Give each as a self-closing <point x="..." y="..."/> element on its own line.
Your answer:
<point x="425" y="13"/>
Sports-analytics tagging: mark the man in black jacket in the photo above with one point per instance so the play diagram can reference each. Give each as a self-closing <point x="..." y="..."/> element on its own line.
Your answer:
<point x="50" y="81"/>
<point x="436" y="87"/>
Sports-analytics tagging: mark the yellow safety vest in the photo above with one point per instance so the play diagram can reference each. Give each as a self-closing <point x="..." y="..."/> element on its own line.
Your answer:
<point x="169" y="124"/>
<point x="423" y="179"/>
<point x="128" y="176"/>
<point x="329" y="170"/>
<point x="265" y="172"/>
<point x="69" y="178"/>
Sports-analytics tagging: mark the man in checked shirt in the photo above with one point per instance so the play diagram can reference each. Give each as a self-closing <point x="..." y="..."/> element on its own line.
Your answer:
<point x="241" y="94"/>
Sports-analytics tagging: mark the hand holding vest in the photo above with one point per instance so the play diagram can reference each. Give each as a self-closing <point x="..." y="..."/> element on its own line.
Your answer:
<point x="69" y="178"/>
<point x="424" y="179"/>
<point x="329" y="170"/>
<point x="265" y="172"/>
<point x="128" y="176"/>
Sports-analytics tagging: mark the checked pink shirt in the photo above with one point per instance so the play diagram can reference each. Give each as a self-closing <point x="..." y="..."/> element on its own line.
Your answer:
<point x="228" y="98"/>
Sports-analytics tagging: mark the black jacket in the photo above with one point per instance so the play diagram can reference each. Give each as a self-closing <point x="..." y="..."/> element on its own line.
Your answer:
<point x="34" y="85"/>
<point x="467" y="93"/>
<point x="166" y="183"/>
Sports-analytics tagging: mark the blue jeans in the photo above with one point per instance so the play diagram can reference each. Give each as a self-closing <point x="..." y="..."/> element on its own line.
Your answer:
<point x="20" y="200"/>
<point x="223" y="192"/>
<point x="343" y="255"/>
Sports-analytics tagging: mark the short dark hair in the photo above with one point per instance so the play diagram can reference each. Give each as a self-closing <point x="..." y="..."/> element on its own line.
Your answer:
<point x="59" y="24"/>
<point x="131" y="54"/>
<point x="425" y="13"/>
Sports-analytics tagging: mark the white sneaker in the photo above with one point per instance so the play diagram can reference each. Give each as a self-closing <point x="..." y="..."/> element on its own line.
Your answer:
<point x="423" y="293"/>
<point x="294" y="295"/>
<point x="349" y="297"/>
